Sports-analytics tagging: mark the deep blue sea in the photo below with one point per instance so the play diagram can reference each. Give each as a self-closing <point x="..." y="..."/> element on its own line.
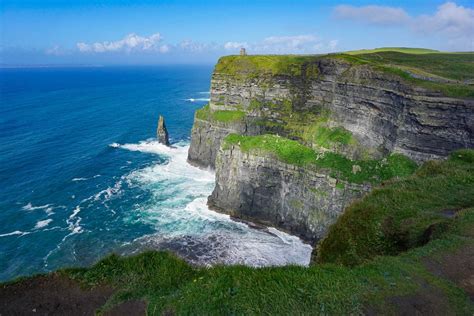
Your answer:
<point x="81" y="175"/>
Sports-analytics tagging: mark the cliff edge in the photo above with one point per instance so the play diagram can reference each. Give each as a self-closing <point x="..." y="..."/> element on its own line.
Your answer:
<point x="296" y="139"/>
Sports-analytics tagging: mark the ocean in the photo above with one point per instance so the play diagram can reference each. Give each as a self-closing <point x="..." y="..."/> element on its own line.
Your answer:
<point x="82" y="176"/>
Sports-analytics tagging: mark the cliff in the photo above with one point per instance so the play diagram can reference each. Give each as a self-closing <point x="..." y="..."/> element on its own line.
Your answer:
<point x="354" y="114"/>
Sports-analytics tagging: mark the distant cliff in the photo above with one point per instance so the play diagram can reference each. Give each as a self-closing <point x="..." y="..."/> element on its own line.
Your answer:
<point x="352" y="121"/>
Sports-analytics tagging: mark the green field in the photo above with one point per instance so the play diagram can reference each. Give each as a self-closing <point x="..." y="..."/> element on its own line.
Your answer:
<point x="406" y="50"/>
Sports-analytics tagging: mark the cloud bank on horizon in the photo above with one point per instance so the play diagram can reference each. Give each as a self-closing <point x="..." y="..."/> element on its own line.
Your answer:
<point x="449" y="26"/>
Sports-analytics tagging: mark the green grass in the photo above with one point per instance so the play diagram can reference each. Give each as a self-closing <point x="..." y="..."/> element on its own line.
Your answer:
<point x="406" y="50"/>
<point x="456" y="67"/>
<point x="220" y="115"/>
<point x="259" y="65"/>
<point x="399" y="216"/>
<point x="288" y="151"/>
<point x="170" y="286"/>
<point x="326" y="136"/>
<point x="228" y="116"/>
<point x="293" y="152"/>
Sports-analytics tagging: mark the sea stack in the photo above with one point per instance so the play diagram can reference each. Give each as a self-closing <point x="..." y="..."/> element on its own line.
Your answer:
<point x="162" y="132"/>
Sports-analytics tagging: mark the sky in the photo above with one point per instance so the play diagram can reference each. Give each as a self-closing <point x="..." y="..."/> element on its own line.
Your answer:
<point x="126" y="32"/>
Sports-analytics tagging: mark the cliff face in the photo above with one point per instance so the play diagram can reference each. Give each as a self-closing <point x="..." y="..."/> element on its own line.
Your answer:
<point x="327" y="104"/>
<point x="261" y="188"/>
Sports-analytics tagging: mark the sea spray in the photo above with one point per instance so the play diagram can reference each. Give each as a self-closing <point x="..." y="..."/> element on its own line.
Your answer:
<point x="185" y="225"/>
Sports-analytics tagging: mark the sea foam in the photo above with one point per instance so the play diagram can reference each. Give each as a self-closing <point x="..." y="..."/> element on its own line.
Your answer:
<point x="184" y="224"/>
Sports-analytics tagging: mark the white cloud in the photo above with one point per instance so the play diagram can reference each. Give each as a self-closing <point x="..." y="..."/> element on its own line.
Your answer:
<point x="235" y="45"/>
<point x="450" y="19"/>
<point x="372" y="14"/>
<point x="196" y="47"/>
<point x="130" y="43"/>
<point x="55" y="51"/>
<point x="297" y="44"/>
<point x="333" y="44"/>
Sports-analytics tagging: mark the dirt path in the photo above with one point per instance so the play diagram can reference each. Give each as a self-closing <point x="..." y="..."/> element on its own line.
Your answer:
<point x="58" y="295"/>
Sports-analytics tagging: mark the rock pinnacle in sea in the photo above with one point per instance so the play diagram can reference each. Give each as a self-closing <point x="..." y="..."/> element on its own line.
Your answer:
<point x="162" y="132"/>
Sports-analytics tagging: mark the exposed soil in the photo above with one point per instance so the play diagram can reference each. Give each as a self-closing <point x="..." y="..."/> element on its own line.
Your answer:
<point x="129" y="308"/>
<point x="428" y="301"/>
<point x="457" y="267"/>
<point x="58" y="295"/>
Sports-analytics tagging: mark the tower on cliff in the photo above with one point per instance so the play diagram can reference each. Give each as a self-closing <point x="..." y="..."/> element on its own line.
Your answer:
<point x="243" y="52"/>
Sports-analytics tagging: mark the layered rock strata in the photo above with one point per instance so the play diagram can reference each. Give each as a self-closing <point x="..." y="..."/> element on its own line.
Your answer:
<point x="330" y="105"/>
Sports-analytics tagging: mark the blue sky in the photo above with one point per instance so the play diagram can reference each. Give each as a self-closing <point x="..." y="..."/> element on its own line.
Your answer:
<point x="158" y="32"/>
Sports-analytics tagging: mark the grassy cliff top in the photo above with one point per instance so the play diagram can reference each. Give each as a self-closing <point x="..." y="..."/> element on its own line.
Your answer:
<point x="258" y="65"/>
<point x="406" y="50"/>
<point x="452" y="74"/>
<point x="433" y="277"/>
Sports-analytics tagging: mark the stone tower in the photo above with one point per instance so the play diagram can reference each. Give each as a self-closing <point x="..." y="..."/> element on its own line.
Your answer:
<point x="243" y="52"/>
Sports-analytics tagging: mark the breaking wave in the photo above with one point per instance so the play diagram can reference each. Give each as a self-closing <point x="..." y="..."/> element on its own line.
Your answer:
<point x="183" y="223"/>
<point x="198" y="99"/>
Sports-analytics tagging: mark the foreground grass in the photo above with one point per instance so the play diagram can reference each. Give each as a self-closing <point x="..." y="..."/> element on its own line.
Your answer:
<point x="292" y="152"/>
<point x="171" y="286"/>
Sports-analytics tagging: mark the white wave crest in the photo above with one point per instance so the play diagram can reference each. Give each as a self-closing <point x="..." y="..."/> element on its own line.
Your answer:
<point x="30" y="207"/>
<point x="44" y="223"/>
<point x="74" y="225"/>
<point x="47" y="208"/>
<point x="198" y="99"/>
<point x="16" y="232"/>
<point x="147" y="146"/>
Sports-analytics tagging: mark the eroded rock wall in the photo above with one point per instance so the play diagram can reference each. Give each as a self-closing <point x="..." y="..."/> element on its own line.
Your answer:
<point x="297" y="199"/>
<point x="381" y="112"/>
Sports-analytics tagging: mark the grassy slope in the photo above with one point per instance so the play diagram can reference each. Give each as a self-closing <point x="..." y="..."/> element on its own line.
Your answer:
<point x="452" y="74"/>
<point x="170" y="285"/>
<point x="402" y="215"/>
<point x="292" y="152"/>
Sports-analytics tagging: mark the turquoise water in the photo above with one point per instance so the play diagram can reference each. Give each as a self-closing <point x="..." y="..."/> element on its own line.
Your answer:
<point x="81" y="175"/>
